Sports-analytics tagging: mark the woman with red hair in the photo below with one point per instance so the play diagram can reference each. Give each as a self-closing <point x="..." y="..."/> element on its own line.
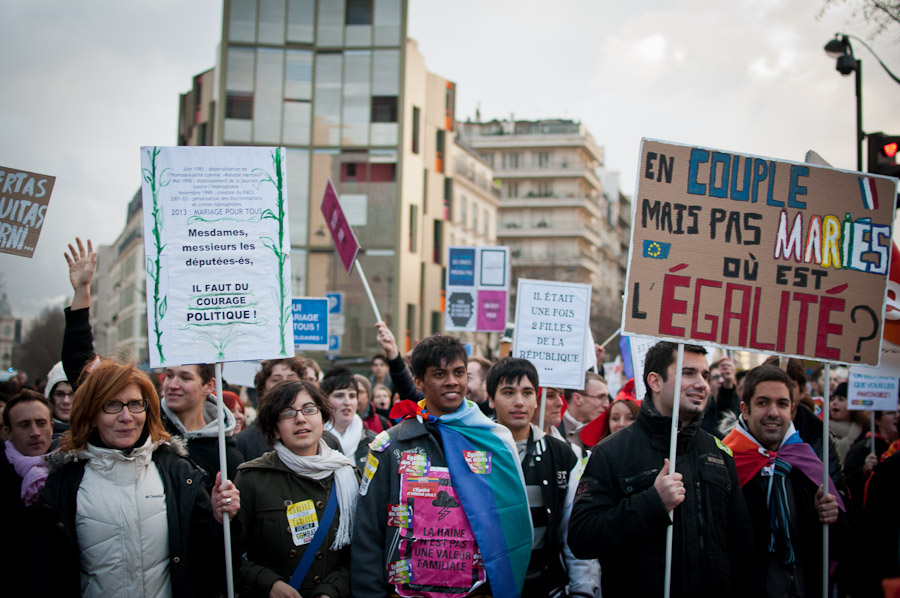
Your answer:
<point x="128" y="509"/>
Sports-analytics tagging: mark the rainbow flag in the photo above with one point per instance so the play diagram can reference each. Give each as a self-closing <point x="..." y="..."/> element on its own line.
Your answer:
<point x="487" y="476"/>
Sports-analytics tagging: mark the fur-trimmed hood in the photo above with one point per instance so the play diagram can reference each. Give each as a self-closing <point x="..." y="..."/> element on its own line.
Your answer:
<point x="57" y="461"/>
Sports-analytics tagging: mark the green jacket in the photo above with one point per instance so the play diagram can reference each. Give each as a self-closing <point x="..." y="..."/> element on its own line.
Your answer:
<point x="267" y="488"/>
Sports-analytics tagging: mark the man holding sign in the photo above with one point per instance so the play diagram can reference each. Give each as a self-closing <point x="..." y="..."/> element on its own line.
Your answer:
<point x="626" y="494"/>
<point x="442" y="511"/>
<point x="780" y="477"/>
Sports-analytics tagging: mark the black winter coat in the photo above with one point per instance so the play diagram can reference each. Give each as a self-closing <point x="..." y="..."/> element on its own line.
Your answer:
<point x="619" y="518"/>
<point x="196" y="565"/>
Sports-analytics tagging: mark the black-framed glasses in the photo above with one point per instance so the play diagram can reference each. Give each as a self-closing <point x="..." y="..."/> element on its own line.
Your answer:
<point x="113" y="407"/>
<point x="61" y="394"/>
<point x="308" y="409"/>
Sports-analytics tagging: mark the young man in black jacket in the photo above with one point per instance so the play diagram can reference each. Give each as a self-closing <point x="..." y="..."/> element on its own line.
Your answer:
<point x="547" y="463"/>
<point x="627" y="495"/>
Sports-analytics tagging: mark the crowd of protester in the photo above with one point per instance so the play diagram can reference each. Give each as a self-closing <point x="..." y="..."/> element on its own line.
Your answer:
<point x="433" y="477"/>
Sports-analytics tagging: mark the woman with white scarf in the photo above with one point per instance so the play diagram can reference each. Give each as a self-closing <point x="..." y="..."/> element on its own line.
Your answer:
<point x="288" y="494"/>
<point x="341" y="388"/>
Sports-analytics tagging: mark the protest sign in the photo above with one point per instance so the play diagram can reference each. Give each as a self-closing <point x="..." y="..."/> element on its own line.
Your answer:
<point x="866" y="392"/>
<point x="24" y="197"/>
<point x="341" y="232"/>
<point x="217" y="251"/>
<point x="744" y="252"/>
<point x="551" y="330"/>
<point x="310" y="316"/>
<point x="477" y="286"/>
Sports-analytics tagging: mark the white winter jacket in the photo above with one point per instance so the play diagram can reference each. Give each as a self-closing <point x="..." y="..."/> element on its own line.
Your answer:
<point x="121" y="525"/>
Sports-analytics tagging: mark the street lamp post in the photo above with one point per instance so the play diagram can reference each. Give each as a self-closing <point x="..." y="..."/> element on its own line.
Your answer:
<point x="840" y="49"/>
<point x="847" y="63"/>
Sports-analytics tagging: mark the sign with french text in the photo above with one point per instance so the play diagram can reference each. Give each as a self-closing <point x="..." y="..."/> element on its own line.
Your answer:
<point x="24" y="198"/>
<point x="310" y="317"/>
<point x="744" y="252"/>
<point x="552" y="329"/>
<point x="341" y="232"/>
<point x="217" y="254"/>
<point x="866" y="392"/>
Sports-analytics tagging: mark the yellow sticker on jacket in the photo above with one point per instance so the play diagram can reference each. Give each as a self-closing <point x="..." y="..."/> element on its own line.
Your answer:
<point x="303" y="521"/>
<point x="368" y="473"/>
<point x="723" y="446"/>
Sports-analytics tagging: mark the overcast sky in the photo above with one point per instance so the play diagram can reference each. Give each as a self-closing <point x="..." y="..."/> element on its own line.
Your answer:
<point x="85" y="84"/>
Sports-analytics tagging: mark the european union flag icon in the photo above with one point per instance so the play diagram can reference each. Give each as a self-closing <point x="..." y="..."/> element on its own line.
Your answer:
<point x="656" y="249"/>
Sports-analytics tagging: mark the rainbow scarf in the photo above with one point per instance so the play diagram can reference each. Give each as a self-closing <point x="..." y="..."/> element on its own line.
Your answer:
<point x="750" y="456"/>
<point x="484" y="466"/>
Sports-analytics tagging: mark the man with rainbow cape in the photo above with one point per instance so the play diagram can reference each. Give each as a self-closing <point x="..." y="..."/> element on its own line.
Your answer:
<point x="442" y="511"/>
<point x="781" y="478"/>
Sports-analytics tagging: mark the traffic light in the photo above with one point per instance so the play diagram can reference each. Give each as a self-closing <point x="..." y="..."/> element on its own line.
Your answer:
<point x="883" y="150"/>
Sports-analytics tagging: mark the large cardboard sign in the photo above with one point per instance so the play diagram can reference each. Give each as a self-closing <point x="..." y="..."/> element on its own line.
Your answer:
<point x="871" y="392"/>
<point x="477" y="286"/>
<point x="552" y="327"/>
<point x="341" y="232"/>
<point x="24" y="197"/>
<point x="744" y="252"/>
<point x="217" y="254"/>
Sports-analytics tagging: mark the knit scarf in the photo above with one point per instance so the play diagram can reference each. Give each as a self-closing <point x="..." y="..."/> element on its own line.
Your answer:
<point x="492" y="493"/>
<point x="750" y="458"/>
<point x="351" y="436"/>
<point x="319" y="467"/>
<point x="32" y="470"/>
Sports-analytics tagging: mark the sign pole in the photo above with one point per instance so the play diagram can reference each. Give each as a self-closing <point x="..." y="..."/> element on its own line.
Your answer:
<point x="543" y="408"/>
<point x="872" y="435"/>
<point x="825" y="424"/>
<point x="223" y="467"/>
<point x="673" y="446"/>
<point x="609" y="340"/>
<point x="362" y="276"/>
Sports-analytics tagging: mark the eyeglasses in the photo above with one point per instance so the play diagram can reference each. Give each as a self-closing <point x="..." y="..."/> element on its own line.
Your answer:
<point x="113" y="407"/>
<point x="308" y="409"/>
<point x="598" y="397"/>
<point x="59" y="394"/>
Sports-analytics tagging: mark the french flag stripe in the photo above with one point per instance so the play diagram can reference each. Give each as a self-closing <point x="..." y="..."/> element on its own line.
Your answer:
<point x="869" y="193"/>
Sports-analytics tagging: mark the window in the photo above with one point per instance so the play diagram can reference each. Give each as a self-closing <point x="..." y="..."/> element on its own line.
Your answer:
<point x="416" y="115"/>
<point x="239" y="105"/>
<point x="361" y="172"/>
<point x="475" y="217"/>
<point x="486" y="222"/>
<point x="448" y="194"/>
<point x="359" y="12"/>
<point x="384" y="109"/>
<point x="413" y="228"/>
<point x="543" y="189"/>
<point x="510" y="160"/>
<point x="542" y="159"/>
<point x="439" y="150"/>
<point x="438" y="241"/>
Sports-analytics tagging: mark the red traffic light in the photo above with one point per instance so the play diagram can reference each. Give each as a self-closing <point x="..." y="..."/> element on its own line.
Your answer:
<point x="889" y="149"/>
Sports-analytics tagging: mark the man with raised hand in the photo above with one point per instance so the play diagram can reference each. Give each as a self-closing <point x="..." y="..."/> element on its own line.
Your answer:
<point x="628" y="497"/>
<point x="442" y="508"/>
<point x="781" y="479"/>
<point x="547" y="464"/>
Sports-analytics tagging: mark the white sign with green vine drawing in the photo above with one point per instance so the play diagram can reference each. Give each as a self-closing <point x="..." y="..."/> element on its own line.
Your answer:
<point x="217" y="254"/>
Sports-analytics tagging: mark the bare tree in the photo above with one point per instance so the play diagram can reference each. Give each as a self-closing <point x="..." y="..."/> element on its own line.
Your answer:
<point x="879" y="15"/>
<point x="42" y="345"/>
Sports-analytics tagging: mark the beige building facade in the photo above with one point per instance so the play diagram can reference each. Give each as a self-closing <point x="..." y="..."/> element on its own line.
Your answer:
<point x="557" y="218"/>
